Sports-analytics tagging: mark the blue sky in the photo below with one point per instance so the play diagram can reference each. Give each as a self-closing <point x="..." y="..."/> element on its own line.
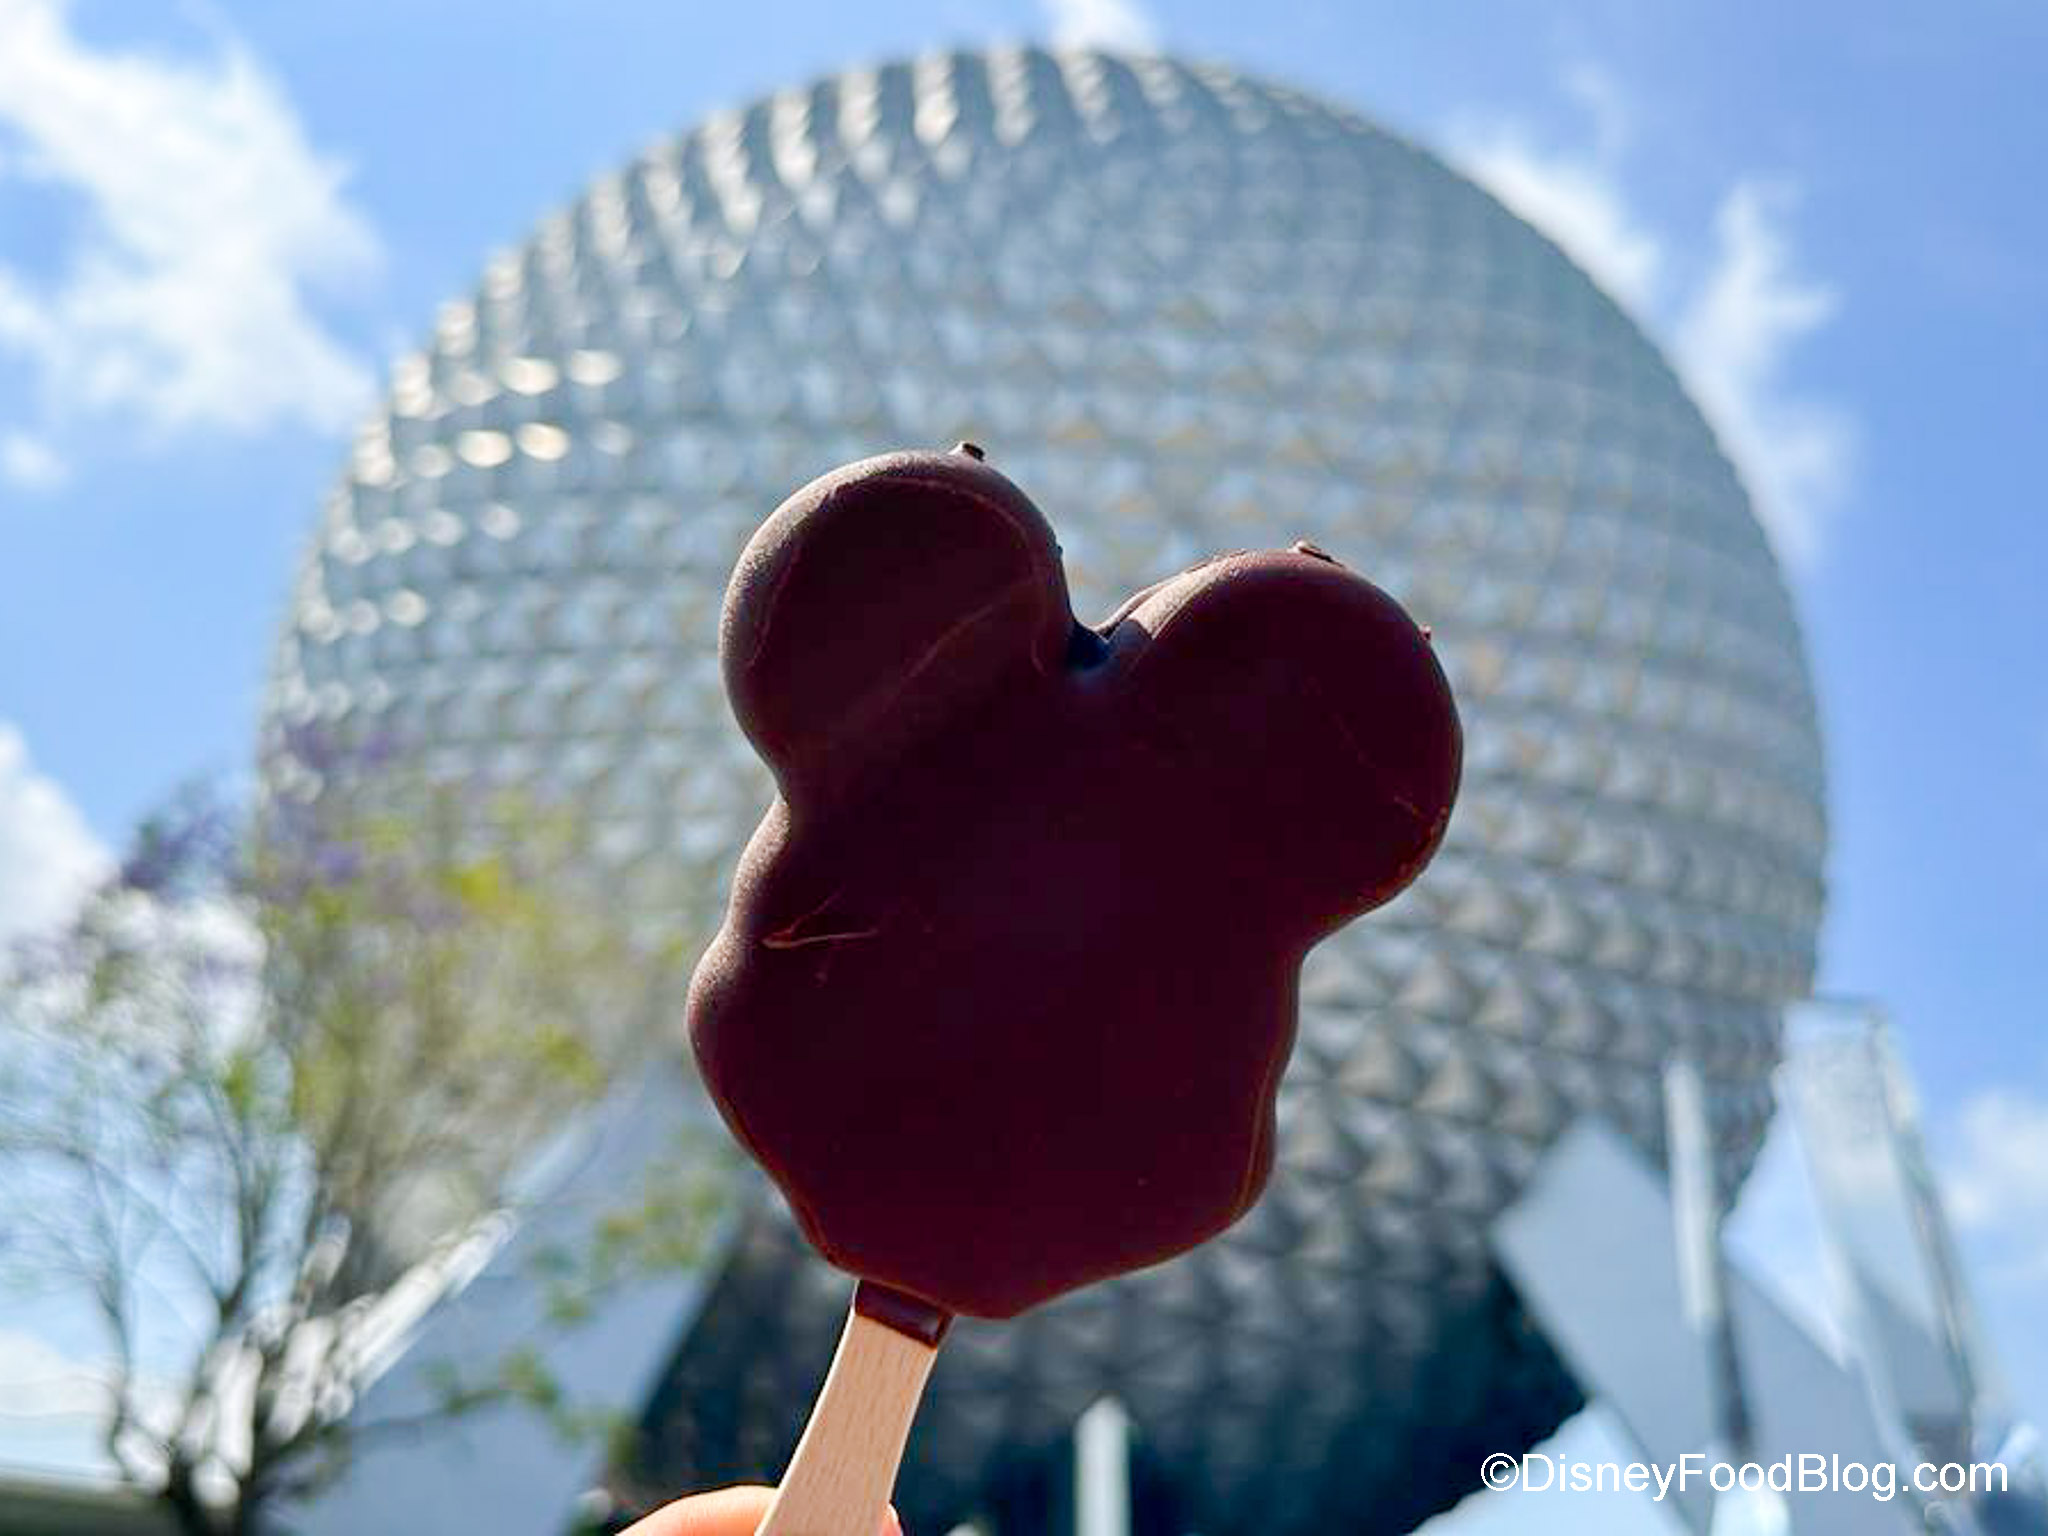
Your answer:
<point x="1831" y="218"/>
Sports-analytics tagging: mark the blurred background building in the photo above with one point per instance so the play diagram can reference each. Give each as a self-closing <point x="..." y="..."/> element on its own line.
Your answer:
<point x="1186" y="310"/>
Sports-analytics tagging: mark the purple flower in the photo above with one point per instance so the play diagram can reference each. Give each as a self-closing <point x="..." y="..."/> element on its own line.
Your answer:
<point x="186" y="848"/>
<point x="335" y="863"/>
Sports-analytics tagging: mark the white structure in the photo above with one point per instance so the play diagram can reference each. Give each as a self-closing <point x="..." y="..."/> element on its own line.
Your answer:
<point x="1907" y="1433"/>
<point x="1186" y="311"/>
<point x="1591" y="1246"/>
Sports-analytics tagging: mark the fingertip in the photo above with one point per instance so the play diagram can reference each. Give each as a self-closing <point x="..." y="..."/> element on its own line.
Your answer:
<point x="735" y="1511"/>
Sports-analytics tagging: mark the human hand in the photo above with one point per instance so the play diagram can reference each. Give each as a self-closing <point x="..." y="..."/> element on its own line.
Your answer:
<point x="726" y="1512"/>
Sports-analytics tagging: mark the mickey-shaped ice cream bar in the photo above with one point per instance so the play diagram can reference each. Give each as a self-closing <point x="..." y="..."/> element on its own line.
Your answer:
<point x="1009" y="975"/>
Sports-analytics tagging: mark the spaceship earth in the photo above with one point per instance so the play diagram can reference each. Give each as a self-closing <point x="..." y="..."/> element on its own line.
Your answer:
<point x="1186" y="311"/>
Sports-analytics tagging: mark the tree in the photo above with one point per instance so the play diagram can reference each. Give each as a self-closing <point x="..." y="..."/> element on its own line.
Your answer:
<point x="278" y="1065"/>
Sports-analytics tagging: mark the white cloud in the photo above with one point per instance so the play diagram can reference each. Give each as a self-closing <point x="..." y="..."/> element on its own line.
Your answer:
<point x="46" y="1381"/>
<point x="56" y="1405"/>
<point x="1732" y="339"/>
<point x="209" y="222"/>
<point x="1997" y="1184"/>
<point x="30" y="463"/>
<point x="1732" y="324"/>
<point x="1606" y="107"/>
<point x="1118" y="25"/>
<point x="53" y="1407"/>
<point x="49" y="857"/>
<point x="1996" y="1189"/>
<point x="1574" y="202"/>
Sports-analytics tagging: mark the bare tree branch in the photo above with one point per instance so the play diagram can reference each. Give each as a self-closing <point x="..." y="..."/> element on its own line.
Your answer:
<point x="244" y="1140"/>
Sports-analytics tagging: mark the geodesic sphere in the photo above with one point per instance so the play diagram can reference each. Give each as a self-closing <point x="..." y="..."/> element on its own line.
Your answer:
<point x="1185" y="311"/>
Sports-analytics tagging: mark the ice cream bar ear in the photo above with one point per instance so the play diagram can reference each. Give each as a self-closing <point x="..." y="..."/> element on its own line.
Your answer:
<point x="1350" y="792"/>
<point x="877" y="601"/>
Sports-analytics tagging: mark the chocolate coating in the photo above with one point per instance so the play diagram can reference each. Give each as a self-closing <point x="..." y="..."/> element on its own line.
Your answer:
<point x="1008" y="980"/>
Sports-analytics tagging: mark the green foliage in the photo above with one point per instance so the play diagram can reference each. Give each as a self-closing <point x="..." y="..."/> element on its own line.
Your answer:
<point x="266" y="1072"/>
<point x="664" y="1230"/>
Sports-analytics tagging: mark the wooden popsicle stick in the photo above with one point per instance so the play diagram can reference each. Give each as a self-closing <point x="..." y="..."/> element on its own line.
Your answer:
<point x="838" y="1481"/>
